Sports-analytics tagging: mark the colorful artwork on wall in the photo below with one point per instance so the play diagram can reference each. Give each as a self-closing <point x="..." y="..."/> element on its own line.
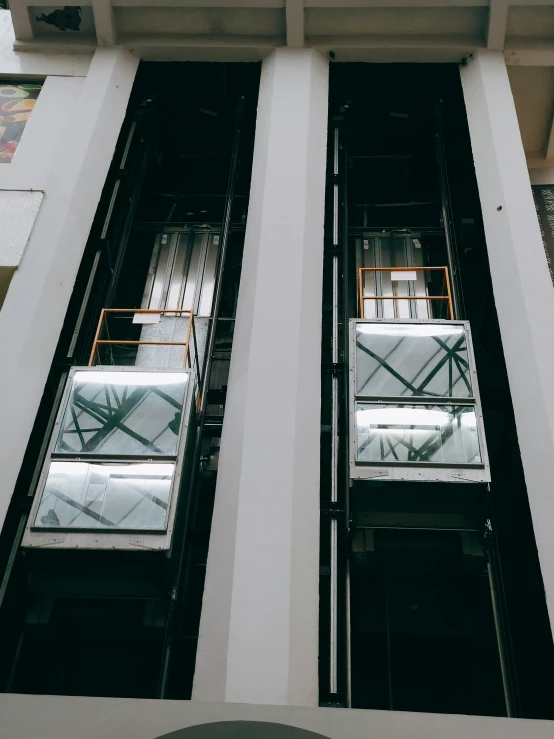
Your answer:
<point x="16" y="105"/>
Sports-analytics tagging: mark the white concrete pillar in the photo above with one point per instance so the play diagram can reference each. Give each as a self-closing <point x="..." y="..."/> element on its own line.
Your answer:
<point x="36" y="302"/>
<point x="523" y="290"/>
<point x="259" y="628"/>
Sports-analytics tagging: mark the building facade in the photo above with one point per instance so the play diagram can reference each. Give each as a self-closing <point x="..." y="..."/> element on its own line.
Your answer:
<point x="277" y="429"/>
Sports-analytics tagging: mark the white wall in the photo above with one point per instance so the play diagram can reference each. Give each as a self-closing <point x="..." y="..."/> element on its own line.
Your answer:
<point x="74" y="717"/>
<point x="23" y="180"/>
<point x="259" y="629"/>
<point x="521" y="282"/>
<point x="34" y="159"/>
<point x="73" y="139"/>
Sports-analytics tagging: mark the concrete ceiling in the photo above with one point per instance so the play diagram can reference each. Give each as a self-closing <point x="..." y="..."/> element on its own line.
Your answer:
<point x="351" y="30"/>
<point x="533" y="91"/>
<point x="365" y="30"/>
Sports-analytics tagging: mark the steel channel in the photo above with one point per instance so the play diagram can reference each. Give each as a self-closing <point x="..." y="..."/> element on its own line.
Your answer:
<point x="449" y="234"/>
<point x="348" y="640"/>
<point x="84" y="304"/>
<point x="501" y="654"/>
<point x="222" y="253"/>
<point x="333" y="567"/>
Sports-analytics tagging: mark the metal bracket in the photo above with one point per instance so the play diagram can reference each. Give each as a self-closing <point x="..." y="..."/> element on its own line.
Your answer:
<point x="462" y="476"/>
<point x="333" y="509"/>
<point x="377" y="473"/>
<point x="335" y="250"/>
<point x="334" y="700"/>
<point x="333" y="368"/>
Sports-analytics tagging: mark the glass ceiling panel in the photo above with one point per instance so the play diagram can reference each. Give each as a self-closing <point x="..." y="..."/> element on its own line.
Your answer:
<point x="419" y="359"/>
<point x="124" y="413"/>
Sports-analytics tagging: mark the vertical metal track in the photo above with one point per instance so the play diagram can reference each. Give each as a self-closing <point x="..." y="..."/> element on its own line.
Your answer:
<point x="446" y="209"/>
<point x="130" y="215"/>
<point x="349" y="308"/>
<point x="225" y="231"/>
<point x="91" y="294"/>
<point x="497" y="615"/>
<point x="180" y="576"/>
<point x="333" y="646"/>
<point x="348" y="639"/>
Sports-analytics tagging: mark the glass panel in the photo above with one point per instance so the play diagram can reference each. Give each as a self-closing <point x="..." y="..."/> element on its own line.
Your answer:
<point x="123" y="413"/>
<point x="16" y="103"/>
<point x="105" y="496"/>
<point x="417" y="433"/>
<point x="423" y="359"/>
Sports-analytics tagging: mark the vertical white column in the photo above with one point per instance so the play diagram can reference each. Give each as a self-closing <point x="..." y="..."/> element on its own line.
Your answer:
<point x="34" y="310"/>
<point x="259" y="628"/>
<point x="523" y="291"/>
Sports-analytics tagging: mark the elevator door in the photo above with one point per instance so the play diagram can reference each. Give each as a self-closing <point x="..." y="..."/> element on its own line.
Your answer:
<point x="182" y="270"/>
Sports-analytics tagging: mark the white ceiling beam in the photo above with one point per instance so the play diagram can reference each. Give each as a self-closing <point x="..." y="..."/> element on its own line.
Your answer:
<point x="104" y="23"/>
<point x="200" y="41"/>
<point x="21" y="20"/>
<point x="549" y="143"/>
<point x="294" y="12"/>
<point x="199" y="3"/>
<point x="530" y="3"/>
<point x="498" y="21"/>
<point x="56" y="45"/>
<point x="48" y="3"/>
<point x="396" y="3"/>
<point x="527" y="52"/>
<point x="462" y="43"/>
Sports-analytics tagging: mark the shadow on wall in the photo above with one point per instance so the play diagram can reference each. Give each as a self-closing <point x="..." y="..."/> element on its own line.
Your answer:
<point x="242" y="730"/>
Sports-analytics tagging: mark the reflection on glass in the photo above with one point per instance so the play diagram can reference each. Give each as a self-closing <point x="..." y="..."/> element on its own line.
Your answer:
<point x="397" y="359"/>
<point x="436" y="434"/>
<point x="123" y="413"/>
<point x="79" y="495"/>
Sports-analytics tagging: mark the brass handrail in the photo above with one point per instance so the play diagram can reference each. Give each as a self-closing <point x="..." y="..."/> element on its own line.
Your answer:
<point x="363" y="298"/>
<point x="102" y="342"/>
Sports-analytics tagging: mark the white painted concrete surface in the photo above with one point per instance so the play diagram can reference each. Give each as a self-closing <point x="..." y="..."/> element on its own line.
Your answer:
<point x="33" y="63"/>
<point x="18" y="210"/>
<point x="40" y="151"/>
<point x="74" y="717"/>
<point x="37" y="299"/>
<point x="259" y="628"/>
<point x="521" y="283"/>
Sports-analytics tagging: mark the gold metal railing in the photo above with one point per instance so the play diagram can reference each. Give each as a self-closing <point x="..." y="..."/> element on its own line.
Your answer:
<point x="446" y="287"/>
<point x="102" y="325"/>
